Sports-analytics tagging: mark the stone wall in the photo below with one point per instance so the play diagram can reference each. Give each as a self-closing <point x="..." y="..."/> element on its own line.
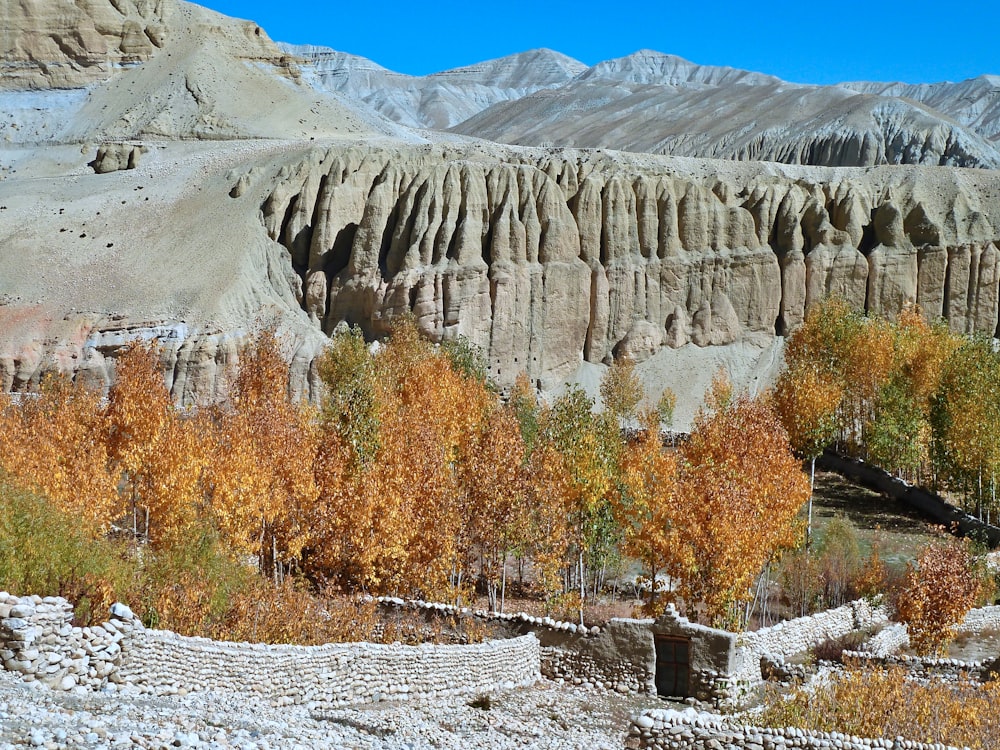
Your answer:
<point x="924" y="667"/>
<point x="38" y="641"/>
<point x="797" y="636"/>
<point x="981" y="619"/>
<point x="621" y="656"/>
<point x="668" y="729"/>
<point x="888" y="640"/>
<point x="930" y="504"/>
<point x="617" y="657"/>
<point x="882" y="650"/>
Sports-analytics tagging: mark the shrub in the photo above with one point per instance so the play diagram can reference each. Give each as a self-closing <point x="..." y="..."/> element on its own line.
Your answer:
<point x="191" y="585"/>
<point x="833" y="649"/>
<point x="936" y="593"/>
<point x="47" y="551"/>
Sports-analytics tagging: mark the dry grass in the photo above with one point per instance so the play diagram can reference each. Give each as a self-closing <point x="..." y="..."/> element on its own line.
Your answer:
<point x="886" y="703"/>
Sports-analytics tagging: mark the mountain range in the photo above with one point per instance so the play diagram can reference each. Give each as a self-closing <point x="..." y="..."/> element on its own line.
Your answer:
<point x="652" y="102"/>
<point x="169" y="172"/>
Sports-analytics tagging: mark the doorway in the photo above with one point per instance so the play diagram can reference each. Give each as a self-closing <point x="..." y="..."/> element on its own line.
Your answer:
<point x="673" y="669"/>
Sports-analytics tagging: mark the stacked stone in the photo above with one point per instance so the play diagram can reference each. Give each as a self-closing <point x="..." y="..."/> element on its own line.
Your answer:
<point x="568" y="667"/>
<point x="515" y="618"/>
<point x="924" y="667"/>
<point x="978" y="620"/>
<point x="668" y="729"/>
<point x="38" y="640"/>
<point x="888" y="640"/>
<point x="797" y="636"/>
<point x="164" y="663"/>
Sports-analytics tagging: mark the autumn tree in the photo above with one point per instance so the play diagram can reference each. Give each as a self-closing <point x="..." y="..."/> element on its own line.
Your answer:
<point x="157" y="455"/>
<point x="806" y="401"/>
<point x="621" y="390"/>
<point x="740" y="491"/>
<point x="523" y="402"/>
<point x="350" y="405"/>
<point x="397" y="425"/>
<point x="666" y="406"/>
<point x="55" y="443"/>
<point x="492" y="481"/>
<point x="898" y="437"/>
<point x="550" y="490"/>
<point x="588" y="445"/>
<point x="647" y="508"/>
<point x="966" y="421"/>
<point x="263" y="487"/>
<point x="937" y="592"/>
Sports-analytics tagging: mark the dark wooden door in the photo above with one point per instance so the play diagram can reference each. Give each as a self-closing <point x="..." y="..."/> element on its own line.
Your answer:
<point x="672" y="666"/>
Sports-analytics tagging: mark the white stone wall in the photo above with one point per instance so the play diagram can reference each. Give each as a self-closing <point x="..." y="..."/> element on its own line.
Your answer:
<point x="335" y="674"/>
<point x="668" y="729"/>
<point x="575" y="667"/>
<point x="37" y="640"/>
<point x="888" y="640"/>
<point x="516" y="619"/>
<point x="796" y="636"/>
<point x="978" y="620"/>
<point x="882" y="649"/>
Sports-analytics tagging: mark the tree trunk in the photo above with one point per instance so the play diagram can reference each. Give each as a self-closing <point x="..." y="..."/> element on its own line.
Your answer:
<point x="274" y="559"/>
<point x="503" y="583"/>
<point x="812" y="487"/>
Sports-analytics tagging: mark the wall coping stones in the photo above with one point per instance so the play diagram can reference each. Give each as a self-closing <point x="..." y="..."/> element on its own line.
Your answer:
<point x="482" y="614"/>
<point x="658" y="728"/>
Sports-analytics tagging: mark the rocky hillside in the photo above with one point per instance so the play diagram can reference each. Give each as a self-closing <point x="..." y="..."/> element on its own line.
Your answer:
<point x="62" y="44"/>
<point x="545" y="259"/>
<point x="193" y="74"/>
<point x="974" y="102"/>
<point x="662" y="104"/>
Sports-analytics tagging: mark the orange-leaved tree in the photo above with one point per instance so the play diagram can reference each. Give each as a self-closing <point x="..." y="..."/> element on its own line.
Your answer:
<point x="647" y="508"/>
<point x="936" y="594"/>
<point x="55" y="443"/>
<point x="806" y="400"/>
<point x="157" y="455"/>
<point x="492" y="481"/>
<point x="397" y="426"/>
<point x="739" y="493"/>
<point x="262" y="484"/>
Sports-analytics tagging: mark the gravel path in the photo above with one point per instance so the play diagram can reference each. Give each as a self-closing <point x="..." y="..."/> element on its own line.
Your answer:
<point x="543" y="716"/>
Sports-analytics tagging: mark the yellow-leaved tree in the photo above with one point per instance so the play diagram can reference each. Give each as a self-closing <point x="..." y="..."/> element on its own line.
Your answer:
<point x="647" y="509"/>
<point x="740" y="489"/>
<point x="937" y="593"/>
<point x="493" y="486"/>
<point x="157" y="455"/>
<point x="55" y="443"/>
<point x="262" y="483"/>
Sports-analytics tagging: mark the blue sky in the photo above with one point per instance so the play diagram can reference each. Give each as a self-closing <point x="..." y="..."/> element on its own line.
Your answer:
<point x="811" y="41"/>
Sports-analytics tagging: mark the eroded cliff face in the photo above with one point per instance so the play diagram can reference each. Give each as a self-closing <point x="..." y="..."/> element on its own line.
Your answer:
<point x="548" y="258"/>
<point x="62" y="44"/>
